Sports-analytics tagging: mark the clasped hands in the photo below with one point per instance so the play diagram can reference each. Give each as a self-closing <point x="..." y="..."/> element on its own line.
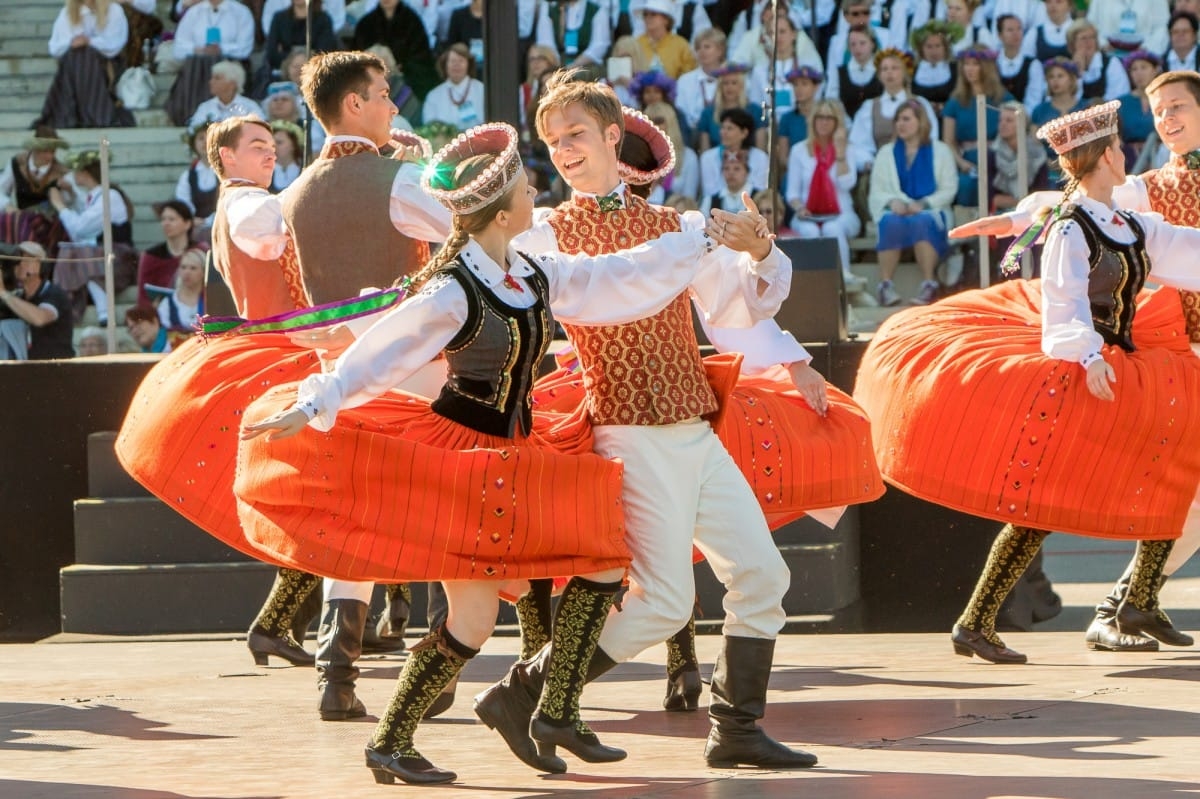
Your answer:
<point x="746" y="231"/>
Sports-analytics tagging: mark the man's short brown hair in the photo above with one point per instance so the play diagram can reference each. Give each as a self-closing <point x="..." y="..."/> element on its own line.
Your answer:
<point x="227" y="133"/>
<point x="567" y="87"/>
<point x="327" y="78"/>
<point x="1185" y="76"/>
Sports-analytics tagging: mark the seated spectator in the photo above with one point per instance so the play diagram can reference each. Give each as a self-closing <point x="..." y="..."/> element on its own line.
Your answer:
<point x="936" y="72"/>
<point x="1048" y="38"/>
<point x="685" y="177"/>
<point x="1182" y="53"/>
<point x="158" y="264"/>
<point x="651" y="87"/>
<point x="755" y="47"/>
<point x="760" y="76"/>
<point x="1101" y="76"/>
<point x="466" y="27"/>
<point x="289" y="144"/>
<point x="578" y="30"/>
<point x="1127" y="29"/>
<point x="25" y="183"/>
<point x="697" y="89"/>
<point x="1007" y="190"/>
<point x="1137" y="122"/>
<point x="852" y="80"/>
<point x="198" y="185"/>
<point x="1020" y="72"/>
<point x="141" y="16"/>
<point x="146" y="330"/>
<point x="82" y="215"/>
<point x="731" y="93"/>
<point x="691" y="19"/>
<point x="872" y="125"/>
<point x="913" y="183"/>
<point x="92" y="342"/>
<point x="540" y="62"/>
<point x="793" y="126"/>
<point x="226" y="82"/>
<point x="288" y="30"/>
<point x="1062" y="97"/>
<point x="284" y="104"/>
<point x="87" y="38"/>
<point x="820" y="178"/>
<point x="458" y="100"/>
<point x="770" y="206"/>
<point x="977" y="77"/>
<point x="336" y="9"/>
<point x="665" y="51"/>
<point x="398" y="27"/>
<point x="181" y="308"/>
<point x="975" y="30"/>
<point x="626" y="47"/>
<point x="400" y="93"/>
<point x="42" y="305"/>
<point x="737" y="129"/>
<point x="210" y="31"/>
<point x="735" y="179"/>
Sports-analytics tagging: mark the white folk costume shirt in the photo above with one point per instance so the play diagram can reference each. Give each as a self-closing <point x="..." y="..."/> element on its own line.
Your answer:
<point x="86" y="224"/>
<point x="214" y="110"/>
<point x="575" y="11"/>
<point x="862" y="130"/>
<point x="602" y="289"/>
<point x="1174" y="62"/>
<point x="256" y="218"/>
<point x="1054" y="35"/>
<point x="1143" y="21"/>
<point x="108" y="42"/>
<point x="751" y="50"/>
<point x="693" y="92"/>
<point x="735" y="318"/>
<point x="8" y="181"/>
<point x="1067" y="330"/>
<point x="858" y="74"/>
<point x="233" y="19"/>
<point x="711" y="181"/>
<point x="1116" y="79"/>
<point x="460" y="105"/>
<point x="1035" y="87"/>
<point x="336" y="9"/>
<point x="206" y="180"/>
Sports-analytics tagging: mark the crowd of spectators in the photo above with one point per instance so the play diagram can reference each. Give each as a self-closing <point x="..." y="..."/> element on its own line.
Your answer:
<point x="874" y="100"/>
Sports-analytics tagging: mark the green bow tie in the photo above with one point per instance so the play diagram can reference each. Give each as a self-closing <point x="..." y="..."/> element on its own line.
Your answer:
<point x="610" y="202"/>
<point x="1192" y="159"/>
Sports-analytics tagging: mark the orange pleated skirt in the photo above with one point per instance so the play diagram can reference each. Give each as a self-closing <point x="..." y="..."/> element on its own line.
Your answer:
<point x="968" y="413"/>
<point x="793" y="459"/>
<point x="180" y="435"/>
<point x="395" y="492"/>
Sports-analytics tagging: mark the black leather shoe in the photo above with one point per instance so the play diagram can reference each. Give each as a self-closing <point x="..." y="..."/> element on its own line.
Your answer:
<point x="1132" y="621"/>
<point x="375" y="642"/>
<point x="508" y="710"/>
<point x="683" y="692"/>
<point x="733" y="748"/>
<point x="443" y="701"/>
<point x="413" y="770"/>
<point x="281" y="646"/>
<point x="969" y="642"/>
<point x="583" y="744"/>
<point x="1103" y="635"/>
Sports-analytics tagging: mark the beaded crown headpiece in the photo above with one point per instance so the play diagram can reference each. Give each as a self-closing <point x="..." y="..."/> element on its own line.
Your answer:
<point x="1068" y="132"/>
<point x="494" y="138"/>
<point x="640" y="126"/>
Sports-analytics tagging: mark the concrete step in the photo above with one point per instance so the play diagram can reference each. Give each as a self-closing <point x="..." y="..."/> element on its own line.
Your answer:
<point x="24" y="12"/>
<point x="150" y="600"/>
<point x="25" y="46"/>
<point x="40" y="65"/>
<point x="142" y="530"/>
<point x="33" y="25"/>
<point x="144" y="194"/>
<point x="107" y="478"/>
<point x="89" y="138"/>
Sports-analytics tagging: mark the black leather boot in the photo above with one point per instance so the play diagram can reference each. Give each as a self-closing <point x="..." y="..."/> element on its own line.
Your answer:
<point x="1139" y="612"/>
<point x="738" y="700"/>
<point x="431" y="664"/>
<point x="683" y="671"/>
<point x="271" y="633"/>
<point x="1103" y="634"/>
<point x="384" y="633"/>
<point x="339" y="645"/>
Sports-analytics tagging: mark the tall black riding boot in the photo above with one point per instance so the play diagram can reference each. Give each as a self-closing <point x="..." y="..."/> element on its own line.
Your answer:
<point x="1140" y="613"/>
<point x="432" y="663"/>
<point x="384" y="632"/>
<point x="535" y="615"/>
<point x="508" y="705"/>
<point x="271" y="633"/>
<point x="738" y="700"/>
<point x="975" y="632"/>
<point x="339" y="645"/>
<point x="582" y="610"/>
<point x="683" y="670"/>
<point x="1103" y="634"/>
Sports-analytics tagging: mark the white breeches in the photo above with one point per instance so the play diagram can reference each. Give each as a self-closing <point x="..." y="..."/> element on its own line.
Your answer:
<point x="344" y="589"/>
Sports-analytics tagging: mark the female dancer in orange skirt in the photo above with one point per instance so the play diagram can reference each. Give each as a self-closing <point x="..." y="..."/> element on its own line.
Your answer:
<point x="1047" y="407"/>
<point x="473" y="489"/>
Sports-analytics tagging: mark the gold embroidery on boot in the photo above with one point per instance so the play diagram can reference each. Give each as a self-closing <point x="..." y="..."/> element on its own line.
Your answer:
<point x="1011" y="553"/>
<point x="1147" y="576"/>
<point x="430" y="667"/>
<point x="288" y="592"/>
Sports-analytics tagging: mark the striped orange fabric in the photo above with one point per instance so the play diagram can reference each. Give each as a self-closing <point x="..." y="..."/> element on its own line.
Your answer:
<point x="968" y="413"/>
<point x="396" y="492"/>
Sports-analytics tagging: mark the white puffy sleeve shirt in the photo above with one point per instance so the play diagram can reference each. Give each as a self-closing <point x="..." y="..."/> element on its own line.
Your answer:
<point x="605" y="289"/>
<point x="1067" y="330"/>
<point x="108" y="41"/>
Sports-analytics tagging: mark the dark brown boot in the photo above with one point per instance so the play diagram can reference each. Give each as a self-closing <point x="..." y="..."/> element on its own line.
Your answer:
<point x="339" y="646"/>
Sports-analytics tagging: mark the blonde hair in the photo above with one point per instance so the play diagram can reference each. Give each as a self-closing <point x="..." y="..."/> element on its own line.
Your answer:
<point x="75" y="12"/>
<point x="1077" y="27"/>
<point x="833" y="108"/>
<point x="670" y="125"/>
<point x="719" y="106"/>
<point x="567" y="87"/>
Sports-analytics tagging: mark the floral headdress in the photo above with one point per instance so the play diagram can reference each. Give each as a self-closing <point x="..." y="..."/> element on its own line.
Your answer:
<point x="1063" y="63"/>
<point x="640" y="126"/>
<point x="893" y="52"/>
<point x="644" y="79"/>
<point x="950" y="31"/>
<point x="494" y="138"/>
